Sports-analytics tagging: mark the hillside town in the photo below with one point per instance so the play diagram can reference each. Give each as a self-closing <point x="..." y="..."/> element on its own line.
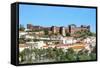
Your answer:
<point x="51" y="44"/>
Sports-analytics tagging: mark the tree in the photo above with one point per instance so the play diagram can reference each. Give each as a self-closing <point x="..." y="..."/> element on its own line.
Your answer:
<point x="22" y="39"/>
<point x="93" y="56"/>
<point x="71" y="55"/>
<point x="21" y="28"/>
<point x="91" y="34"/>
<point x="46" y="32"/>
<point x="83" y="34"/>
<point x="25" y="55"/>
<point x="67" y="34"/>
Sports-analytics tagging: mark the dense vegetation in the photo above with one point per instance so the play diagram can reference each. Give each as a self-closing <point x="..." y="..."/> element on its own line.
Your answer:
<point x="83" y="34"/>
<point x="54" y="55"/>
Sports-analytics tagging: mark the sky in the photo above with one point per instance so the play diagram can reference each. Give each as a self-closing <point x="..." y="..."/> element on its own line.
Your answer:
<point x="56" y="16"/>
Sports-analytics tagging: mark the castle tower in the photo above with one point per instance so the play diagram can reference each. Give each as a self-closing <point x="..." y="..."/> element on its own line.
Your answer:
<point x="72" y="28"/>
<point x="62" y="31"/>
<point x="53" y="29"/>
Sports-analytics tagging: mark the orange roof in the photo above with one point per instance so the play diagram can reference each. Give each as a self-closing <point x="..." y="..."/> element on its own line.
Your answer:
<point x="21" y="31"/>
<point x="78" y="47"/>
<point x="45" y="46"/>
<point x="22" y="45"/>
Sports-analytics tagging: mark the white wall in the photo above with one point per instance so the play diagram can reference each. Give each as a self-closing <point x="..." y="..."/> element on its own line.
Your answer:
<point x="5" y="34"/>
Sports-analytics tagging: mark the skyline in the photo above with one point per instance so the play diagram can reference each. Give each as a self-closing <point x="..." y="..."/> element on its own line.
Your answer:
<point x="57" y="16"/>
<point x="55" y="26"/>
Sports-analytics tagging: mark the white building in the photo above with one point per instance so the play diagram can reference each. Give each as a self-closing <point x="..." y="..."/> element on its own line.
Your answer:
<point x="22" y="33"/>
<point x="38" y="44"/>
<point x="29" y="37"/>
<point x="90" y="40"/>
<point x="69" y="40"/>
